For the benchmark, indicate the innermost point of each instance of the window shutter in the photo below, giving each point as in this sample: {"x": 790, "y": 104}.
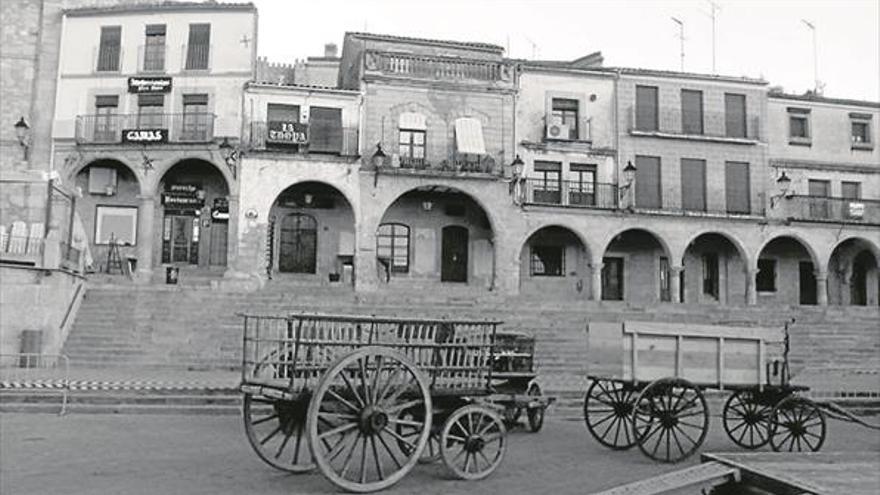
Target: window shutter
{"x": 198, "y": 47}
{"x": 108, "y": 52}
{"x": 646, "y": 108}
{"x": 648, "y": 182}
{"x": 282, "y": 113}
{"x": 691, "y": 111}
{"x": 107, "y": 101}
{"x": 693, "y": 184}
{"x": 147, "y": 100}
{"x": 195, "y": 99}
{"x": 548, "y": 166}
{"x": 735, "y": 115}
{"x": 325, "y": 129}
{"x": 736, "y": 184}
{"x": 155, "y": 30}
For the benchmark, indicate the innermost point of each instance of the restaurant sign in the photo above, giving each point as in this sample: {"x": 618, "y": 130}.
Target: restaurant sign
{"x": 183, "y": 196}
{"x": 145, "y": 136}
{"x": 282, "y": 132}
{"x": 149, "y": 85}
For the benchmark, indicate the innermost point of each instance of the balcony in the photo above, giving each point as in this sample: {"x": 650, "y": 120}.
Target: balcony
{"x": 342, "y": 141}
{"x": 670, "y": 124}
{"x": 437, "y": 67}
{"x": 571, "y": 194}
{"x": 835, "y": 210}
{"x": 169, "y": 127}
{"x": 456, "y": 165}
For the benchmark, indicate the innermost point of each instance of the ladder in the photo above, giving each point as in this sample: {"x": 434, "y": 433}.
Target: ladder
{"x": 114, "y": 261}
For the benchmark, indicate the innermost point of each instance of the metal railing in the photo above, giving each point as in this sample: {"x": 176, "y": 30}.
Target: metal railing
{"x": 671, "y": 120}
{"x": 151, "y": 58}
{"x": 182, "y": 127}
{"x": 436, "y": 67}
{"x": 21, "y": 246}
{"x": 26, "y": 372}
{"x": 845, "y": 210}
{"x": 571, "y": 193}
{"x": 456, "y": 163}
{"x": 341, "y": 141}
{"x": 197, "y": 56}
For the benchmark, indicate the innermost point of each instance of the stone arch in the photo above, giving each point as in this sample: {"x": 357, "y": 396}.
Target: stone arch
{"x": 468, "y": 190}
{"x": 270, "y": 195}
{"x": 785, "y": 277}
{"x": 169, "y": 165}
{"x": 74, "y": 171}
{"x": 817, "y": 260}
{"x": 555, "y": 259}
{"x": 853, "y": 277}
{"x": 740, "y": 248}
{"x": 637, "y": 272}
{"x": 712, "y": 273}
{"x": 659, "y": 238}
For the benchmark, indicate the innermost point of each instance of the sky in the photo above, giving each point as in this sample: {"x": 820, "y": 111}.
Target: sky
{"x": 755, "y": 38}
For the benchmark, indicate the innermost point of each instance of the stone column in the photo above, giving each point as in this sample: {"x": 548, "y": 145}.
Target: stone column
{"x": 596, "y": 281}
{"x": 821, "y": 288}
{"x": 751, "y": 287}
{"x": 366, "y": 275}
{"x": 146, "y": 214}
{"x": 232, "y": 239}
{"x": 675, "y": 283}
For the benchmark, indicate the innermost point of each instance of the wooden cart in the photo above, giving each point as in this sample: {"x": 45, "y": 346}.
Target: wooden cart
{"x": 648, "y": 381}
{"x": 515, "y": 381}
{"x": 365, "y": 398}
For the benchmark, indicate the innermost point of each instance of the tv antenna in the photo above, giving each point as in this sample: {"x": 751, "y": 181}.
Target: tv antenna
{"x": 534, "y": 47}
{"x": 680, "y": 38}
{"x": 815, "y": 56}
{"x": 714, "y": 9}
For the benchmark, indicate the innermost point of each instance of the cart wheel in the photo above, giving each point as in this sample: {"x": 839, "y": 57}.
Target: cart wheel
{"x": 536, "y": 414}
{"x": 746, "y": 420}
{"x": 354, "y": 415}
{"x": 798, "y": 425}
{"x": 431, "y": 452}
{"x": 608, "y": 408}
{"x": 473, "y": 442}
{"x": 276, "y": 431}
{"x": 670, "y": 419}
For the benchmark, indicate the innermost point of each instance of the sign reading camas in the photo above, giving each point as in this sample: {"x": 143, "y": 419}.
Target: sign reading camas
{"x": 149, "y": 85}
{"x": 145, "y": 136}
{"x": 281, "y": 132}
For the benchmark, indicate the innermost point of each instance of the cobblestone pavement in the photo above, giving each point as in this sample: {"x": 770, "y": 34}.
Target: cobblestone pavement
{"x": 176, "y": 454}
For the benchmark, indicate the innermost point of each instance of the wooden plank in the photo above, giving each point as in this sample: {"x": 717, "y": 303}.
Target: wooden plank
{"x": 705, "y": 475}
{"x": 690, "y": 329}
{"x": 721, "y": 363}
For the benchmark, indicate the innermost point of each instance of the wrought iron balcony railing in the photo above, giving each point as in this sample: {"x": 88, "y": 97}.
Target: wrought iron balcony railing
{"x": 342, "y": 141}
{"x": 116, "y": 128}
{"x": 843, "y": 210}
{"x": 455, "y": 164}
{"x": 436, "y": 67}
{"x": 570, "y": 193}
{"x": 708, "y": 125}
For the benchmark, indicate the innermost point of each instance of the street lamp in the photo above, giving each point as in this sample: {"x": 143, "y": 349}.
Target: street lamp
{"x": 629, "y": 177}
{"x": 518, "y": 165}
{"x": 378, "y": 159}
{"x": 782, "y": 184}
{"x": 22, "y": 132}
{"x": 230, "y": 155}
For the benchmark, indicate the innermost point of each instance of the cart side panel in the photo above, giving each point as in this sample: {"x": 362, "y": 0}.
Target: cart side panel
{"x": 605, "y": 350}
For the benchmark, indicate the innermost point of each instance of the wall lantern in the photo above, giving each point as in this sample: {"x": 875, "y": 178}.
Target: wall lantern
{"x": 378, "y": 159}
{"x": 518, "y": 166}
{"x": 783, "y": 183}
{"x": 22, "y": 133}
{"x": 230, "y": 155}
{"x": 427, "y": 205}
{"x": 629, "y": 177}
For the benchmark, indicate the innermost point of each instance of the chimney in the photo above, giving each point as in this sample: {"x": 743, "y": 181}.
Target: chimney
{"x": 330, "y": 50}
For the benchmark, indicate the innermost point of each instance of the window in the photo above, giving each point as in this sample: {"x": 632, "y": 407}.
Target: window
{"x": 765, "y": 280}
{"x": 198, "y": 49}
{"x": 612, "y": 279}
{"x": 691, "y": 111}
{"x": 860, "y": 132}
{"x": 648, "y": 193}
{"x": 565, "y": 112}
{"x": 799, "y": 125}
{"x": 392, "y": 244}
{"x": 154, "y": 48}
{"x": 547, "y": 182}
{"x": 325, "y": 130}
{"x": 710, "y": 275}
{"x": 105, "y": 118}
{"x": 412, "y": 148}
{"x": 736, "y": 187}
{"x": 735, "y": 115}
{"x": 693, "y": 184}
{"x": 851, "y": 190}
{"x": 819, "y": 191}
{"x": 109, "y": 49}
{"x": 547, "y": 261}
{"x": 665, "y": 288}
{"x": 102, "y": 180}
{"x": 195, "y": 118}
{"x": 280, "y": 121}
{"x": 118, "y": 222}
{"x": 860, "y": 126}
{"x": 582, "y": 188}
{"x": 646, "y": 108}
{"x": 151, "y": 110}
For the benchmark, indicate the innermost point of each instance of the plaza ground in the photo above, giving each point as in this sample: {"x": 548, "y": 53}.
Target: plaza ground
{"x": 204, "y": 454}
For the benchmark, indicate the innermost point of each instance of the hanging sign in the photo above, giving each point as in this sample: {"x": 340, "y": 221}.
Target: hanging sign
{"x": 145, "y": 136}
{"x": 142, "y": 85}
{"x": 220, "y": 211}
{"x": 183, "y": 196}
{"x": 282, "y": 132}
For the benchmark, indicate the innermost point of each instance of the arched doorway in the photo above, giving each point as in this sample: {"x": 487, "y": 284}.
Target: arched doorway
{"x": 109, "y": 208}
{"x": 852, "y": 274}
{"x": 786, "y": 273}
{"x": 311, "y": 234}
{"x": 715, "y": 271}
{"x": 636, "y": 268}
{"x": 194, "y": 215}
{"x": 435, "y": 234}
{"x": 554, "y": 261}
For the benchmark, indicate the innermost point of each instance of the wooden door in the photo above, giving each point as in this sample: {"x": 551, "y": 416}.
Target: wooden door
{"x": 807, "y": 283}
{"x": 219, "y": 234}
{"x": 612, "y": 279}
{"x": 298, "y": 244}
{"x": 182, "y": 248}
{"x": 454, "y": 256}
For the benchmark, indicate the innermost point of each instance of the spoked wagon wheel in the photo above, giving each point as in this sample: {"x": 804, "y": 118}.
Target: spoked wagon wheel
{"x": 473, "y": 442}
{"x": 408, "y": 434}
{"x": 797, "y": 425}
{"x": 354, "y": 416}
{"x": 670, "y": 419}
{"x": 276, "y": 431}
{"x": 535, "y": 414}
{"x": 747, "y": 420}
{"x": 608, "y": 408}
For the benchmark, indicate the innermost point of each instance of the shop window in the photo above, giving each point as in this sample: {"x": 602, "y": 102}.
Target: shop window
{"x": 154, "y": 48}
{"x": 765, "y": 280}
{"x": 109, "y": 49}
{"x": 565, "y": 112}
{"x": 547, "y": 261}
{"x": 198, "y": 49}
{"x": 392, "y": 246}
{"x": 118, "y": 222}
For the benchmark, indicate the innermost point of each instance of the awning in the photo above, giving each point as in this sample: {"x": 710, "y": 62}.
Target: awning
{"x": 469, "y": 136}
{"x": 412, "y": 121}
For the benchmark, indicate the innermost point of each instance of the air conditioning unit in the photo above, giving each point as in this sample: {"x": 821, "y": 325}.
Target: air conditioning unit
{"x": 557, "y": 131}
